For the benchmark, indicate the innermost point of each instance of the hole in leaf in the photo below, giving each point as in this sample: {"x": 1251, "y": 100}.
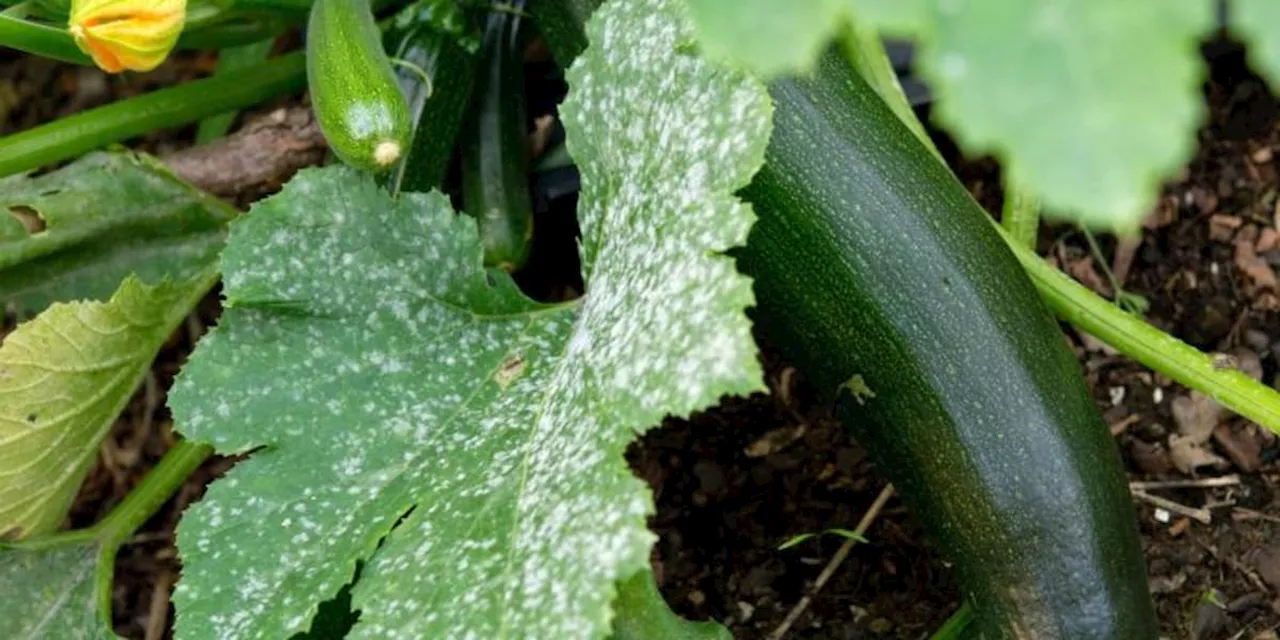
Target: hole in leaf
{"x": 335, "y": 617}
{"x": 29, "y": 218}
{"x": 31, "y": 417}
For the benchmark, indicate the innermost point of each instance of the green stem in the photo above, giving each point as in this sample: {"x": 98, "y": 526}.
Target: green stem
{"x": 71, "y": 136}
{"x": 39, "y": 39}
{"x": 1130, "y": 302}
{"x": 1148, "y": 345}
{"x": 1126, "y": 333}
{"x": 155, "y": 489}
{"x": 142, "y": 502}
{"x": 230, "y": 60}
{"x": 1021, "y": 215}
{"x": 955, "y": 626}
{"x": 864, "y": 51}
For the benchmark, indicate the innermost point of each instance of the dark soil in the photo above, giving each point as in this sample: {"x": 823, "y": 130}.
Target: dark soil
{"x": 736, "y": 481}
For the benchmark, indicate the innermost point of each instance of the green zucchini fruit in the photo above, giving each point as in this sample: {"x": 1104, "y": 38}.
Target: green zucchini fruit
{"x": 495, "y": 155}
{"x": 358, "y": 104}
{"x": 878, "y": 275}
{"x": 438, "y": 104}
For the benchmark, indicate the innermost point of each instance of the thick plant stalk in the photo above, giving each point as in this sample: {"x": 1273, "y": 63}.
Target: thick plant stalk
{"x": 88, "y": 130}
{"x": 1152, "y": 347}
{"x": 230, "y": 60}
{"x": 40, "y": 40}
{"x": 1021, "y": 215}
{"x": 865, "y": 52}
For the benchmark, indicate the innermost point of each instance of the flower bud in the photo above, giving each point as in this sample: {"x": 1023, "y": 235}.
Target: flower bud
{"x": 127, "y": 34}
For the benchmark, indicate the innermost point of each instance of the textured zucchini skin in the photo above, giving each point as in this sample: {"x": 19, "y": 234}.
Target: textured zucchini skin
{"x": 358, "y": 104}
{"x": 877, "y": 274}
{"x": 562, "y": 25}
{"x": 436, "y": 111}
{"x": 495, "y": 157}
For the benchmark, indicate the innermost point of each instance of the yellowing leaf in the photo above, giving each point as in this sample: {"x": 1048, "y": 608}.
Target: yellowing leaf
{"x": 64, "y": 377}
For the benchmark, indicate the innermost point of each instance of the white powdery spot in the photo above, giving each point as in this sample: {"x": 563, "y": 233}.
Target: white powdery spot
{"x": 372, "y": 360}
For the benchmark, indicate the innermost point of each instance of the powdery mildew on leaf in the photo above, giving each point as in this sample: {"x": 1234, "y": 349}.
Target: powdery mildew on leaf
{"x": 64, "y": 378}
{"x": 51, "y": 594}
{"x": 363, "y": 348}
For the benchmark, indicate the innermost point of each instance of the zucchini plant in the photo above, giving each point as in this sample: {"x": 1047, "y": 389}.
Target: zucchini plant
{"x": 438, "y": 455}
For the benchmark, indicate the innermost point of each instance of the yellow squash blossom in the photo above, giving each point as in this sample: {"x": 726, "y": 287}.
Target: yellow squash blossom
{"x": 127, "y": 34}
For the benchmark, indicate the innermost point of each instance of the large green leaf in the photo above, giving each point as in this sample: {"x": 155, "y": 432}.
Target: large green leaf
{"x": 387, "y": 376}
{"x": 1092, "y": 103}
{"x": 782, "y": 40}
{"x": 105, "y": 216}
{"x": 642, "y": 614}
{"x": 57, "y": 593}
{"x": 1257, "y": 22}
{"x": 64, "y": 377}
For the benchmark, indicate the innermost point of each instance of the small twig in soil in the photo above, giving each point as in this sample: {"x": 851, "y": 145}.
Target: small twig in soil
{"x": 1120, "y": 426}
{"x": 836, "y": 560}
{"x": 1199, "y": 515}
{"x": 1234, "y": 564}
{"x": 1241, "y": 513}
{"x": 158, "y": 615}
{"x": 1199, "y": 483}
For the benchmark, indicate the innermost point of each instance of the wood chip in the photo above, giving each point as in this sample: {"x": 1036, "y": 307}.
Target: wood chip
{"x": 1222, "y": 227}
{"x": 1240, "y": 446}
{"x": 1196, "y": 415}
{"x": 1188, "y": 456}
{"x": 774, "y": 441}
{"x": 1268, "y": 239}
{"x": 1122, "y": 262}
{"x": 1257, "y": 271}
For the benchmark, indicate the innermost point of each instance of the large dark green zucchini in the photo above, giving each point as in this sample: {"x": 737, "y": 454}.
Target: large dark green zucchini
{"x": 495, "y": 157}
{"x": 437, "y": 105}
{"x": 879, "y": 276}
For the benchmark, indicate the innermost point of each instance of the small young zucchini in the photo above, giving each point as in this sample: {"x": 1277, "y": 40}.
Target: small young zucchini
{"x": 495, "y": 157}
{"x": 354, "y": 93}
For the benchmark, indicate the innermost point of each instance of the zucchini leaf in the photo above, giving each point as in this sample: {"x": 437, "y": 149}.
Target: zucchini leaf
{"x": 642, "y": 614}
{"x": 78, "y": 232}
{"x": 64, "y": 378}
{"x": 421, "y": 418}
{"x": 1092, "y": 103}
{"x": 1255, "y": 21}
{"x": 61, "y": 592}
{"x": 783, "y": 39}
